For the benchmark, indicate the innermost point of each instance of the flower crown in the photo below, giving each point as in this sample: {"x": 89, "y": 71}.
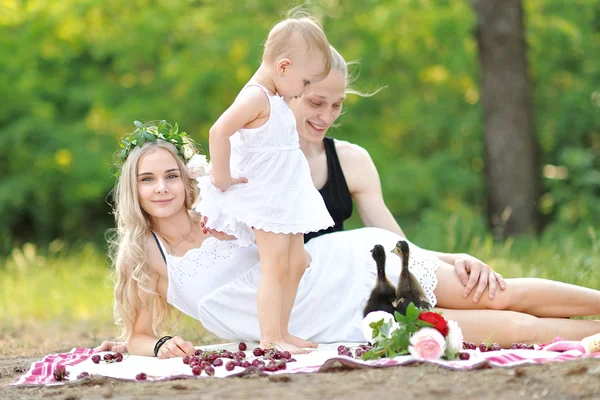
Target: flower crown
{"x": 196, "y": 164}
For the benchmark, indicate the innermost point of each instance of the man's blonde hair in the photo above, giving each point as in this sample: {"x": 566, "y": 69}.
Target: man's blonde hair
{"x": 298, "y": 31}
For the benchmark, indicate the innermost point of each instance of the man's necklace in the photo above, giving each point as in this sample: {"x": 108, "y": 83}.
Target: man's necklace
{"x": 172, "y": 248}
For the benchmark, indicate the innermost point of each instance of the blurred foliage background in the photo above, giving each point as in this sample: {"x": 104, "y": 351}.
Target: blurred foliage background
{"x": 74, "y": 74}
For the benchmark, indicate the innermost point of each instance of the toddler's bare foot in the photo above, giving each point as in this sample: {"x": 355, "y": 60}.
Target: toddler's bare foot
{"x": 296, "y": 341}
{"x": 282, "y": 345}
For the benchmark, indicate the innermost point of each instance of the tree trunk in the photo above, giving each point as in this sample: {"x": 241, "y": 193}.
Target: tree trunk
{"x": 512, "y": 169}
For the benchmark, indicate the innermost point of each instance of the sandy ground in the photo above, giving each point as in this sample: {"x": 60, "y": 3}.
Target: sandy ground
{"x": 567, "y": 380}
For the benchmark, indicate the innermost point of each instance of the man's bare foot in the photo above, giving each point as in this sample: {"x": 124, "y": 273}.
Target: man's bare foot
{"x": 282, "y": 345}
{"x": 296, "y": 341}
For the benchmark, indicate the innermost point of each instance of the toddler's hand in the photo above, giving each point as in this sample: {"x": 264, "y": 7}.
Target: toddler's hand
{"x": 225, "y": 184}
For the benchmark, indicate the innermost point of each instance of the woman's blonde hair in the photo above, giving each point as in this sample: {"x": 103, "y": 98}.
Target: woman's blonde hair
{"x": 339, "y": 64}
{"x": 299, "y": 28}
{"x": 127, "y": 242}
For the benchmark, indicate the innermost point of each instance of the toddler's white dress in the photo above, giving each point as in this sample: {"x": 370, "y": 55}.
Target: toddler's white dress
{"x": 280, "y": 196}
{"x": 218, "y": 282}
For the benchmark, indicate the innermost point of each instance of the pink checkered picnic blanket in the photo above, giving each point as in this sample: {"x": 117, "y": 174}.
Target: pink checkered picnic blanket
{"x": 323, "y": 359}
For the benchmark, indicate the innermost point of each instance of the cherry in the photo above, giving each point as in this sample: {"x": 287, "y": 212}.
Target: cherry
{"x": 464, "y": 356}
{"x": 286, "y": 355}
{"x": 256, "y": 362}
{"x": 483, "y": 347}
{"x": 198, "y": 352}
{"x": 96, "y": 359}
{"x": 196, "y": 370}
{"x": 211, "y": 357}
{"x": 141, "y": 376}
{"x": 218, "y": 362}
{"x": 469, "y": 346}
{"x": 242, "y": 346}
{"x": 60, "y": 373}
{"x": 258, "y": 352}
{"x": 530, "y": 347}
{"x": 495, "y": 347}
{"x": 282, "y": 365}
{"x": 246, "y": 364}
{"x": 186, "y": 359}
{"x": 272, "y": 367}
{"x": 515, "y": 346}
{"x": 83, "y": 375}
{"x": 240, "y": 354}
{"x": 108, "y": 357}
{"x": 360, "y": 352}
{"x": 118, "y": 357}
{"x": 230, "y": 366}
{"x": 210, "y": 371}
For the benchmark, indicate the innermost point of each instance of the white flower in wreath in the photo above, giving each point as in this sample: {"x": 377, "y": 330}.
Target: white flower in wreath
{"x": 455, "y": 337}
{"x": 188, "y": 153}
{"x": 197, "y": 166}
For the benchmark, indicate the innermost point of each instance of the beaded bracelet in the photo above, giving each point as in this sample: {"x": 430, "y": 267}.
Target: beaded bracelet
{"x": 160, "y": 342}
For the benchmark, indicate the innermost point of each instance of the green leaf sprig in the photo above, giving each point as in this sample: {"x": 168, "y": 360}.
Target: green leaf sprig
{"x": 395, "y": 343}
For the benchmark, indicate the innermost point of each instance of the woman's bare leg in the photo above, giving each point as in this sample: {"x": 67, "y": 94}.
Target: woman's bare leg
{"x": 273, "y": 250}
{"x": 539, "y": 297}
{"x": 298, "y": 262}
{"x": 513, "y": 327}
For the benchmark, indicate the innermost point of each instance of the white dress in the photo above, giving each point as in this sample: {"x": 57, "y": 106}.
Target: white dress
{"x": 218, "y": 282}
{"x": 280, "y": 196}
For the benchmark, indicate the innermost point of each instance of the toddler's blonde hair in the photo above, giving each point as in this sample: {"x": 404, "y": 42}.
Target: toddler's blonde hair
{"x": 298, "y": 31}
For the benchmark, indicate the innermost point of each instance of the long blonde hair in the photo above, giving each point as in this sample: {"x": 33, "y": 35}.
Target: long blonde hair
{"x": 127, "y": 243}
{"x": 340, "y": 65}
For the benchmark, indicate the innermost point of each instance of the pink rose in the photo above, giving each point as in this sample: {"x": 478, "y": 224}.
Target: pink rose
{"x": 427, "y": 344}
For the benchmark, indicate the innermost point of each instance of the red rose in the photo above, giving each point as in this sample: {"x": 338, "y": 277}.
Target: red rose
{"x": 436, "y": 320}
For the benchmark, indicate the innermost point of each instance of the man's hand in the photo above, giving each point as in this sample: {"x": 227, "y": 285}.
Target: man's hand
{"x": 473, "y": 272}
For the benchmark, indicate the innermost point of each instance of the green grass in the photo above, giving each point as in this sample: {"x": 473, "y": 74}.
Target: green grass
{"x": 68, "y": 285}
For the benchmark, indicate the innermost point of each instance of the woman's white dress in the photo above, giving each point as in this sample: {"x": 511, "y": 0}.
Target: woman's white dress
{"x": 217, "y": 285}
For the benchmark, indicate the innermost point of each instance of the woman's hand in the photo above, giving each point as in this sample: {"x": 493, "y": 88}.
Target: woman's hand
{"x": 114, "y": 346}
{"x": 176, "y": 347}
{"x": 216, "y": 234}
{"x": 473, "y": 272}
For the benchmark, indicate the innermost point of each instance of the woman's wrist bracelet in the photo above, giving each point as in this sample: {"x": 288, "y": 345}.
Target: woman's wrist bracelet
{"x": 160, "y": 342}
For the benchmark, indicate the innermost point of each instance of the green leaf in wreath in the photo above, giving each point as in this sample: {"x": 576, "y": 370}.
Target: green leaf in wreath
{"x": 149, "y": 136}
{"x": 138, "y": 124}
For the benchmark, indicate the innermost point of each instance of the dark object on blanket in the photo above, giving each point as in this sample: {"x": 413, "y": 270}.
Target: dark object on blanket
{"x": 384, "y": 292}
{"x": 409, "y": 290}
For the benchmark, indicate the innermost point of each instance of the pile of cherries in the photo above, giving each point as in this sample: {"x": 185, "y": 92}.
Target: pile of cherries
{"x": 205, "y": 361}
{"x": 358, "y": 353}
{"x": 108, "y": 358}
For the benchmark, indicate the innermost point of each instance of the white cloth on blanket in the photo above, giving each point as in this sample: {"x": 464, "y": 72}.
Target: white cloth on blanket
{"x": 156, "y": 369}
{"x": 217, "y": 284}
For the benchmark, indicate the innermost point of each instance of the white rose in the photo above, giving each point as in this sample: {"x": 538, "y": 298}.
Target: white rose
{"x": 455, "y": 337}
{"x": 197, "y": 166}
{"x": 376, "y": 316}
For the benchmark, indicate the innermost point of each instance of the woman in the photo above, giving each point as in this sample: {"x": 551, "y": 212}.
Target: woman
{"x": 344, "y": 172}
{"x": 164, "y": 256}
